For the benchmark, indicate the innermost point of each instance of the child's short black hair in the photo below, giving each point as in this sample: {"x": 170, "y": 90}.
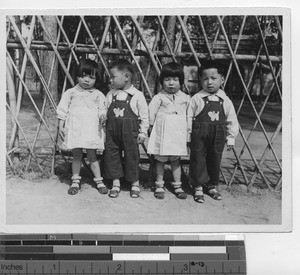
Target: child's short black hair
{"x": 122, "y": 65}
{"x": 172, "y": 69}
{"x": 88, "y": 66}
{"x": 211, "y": 64}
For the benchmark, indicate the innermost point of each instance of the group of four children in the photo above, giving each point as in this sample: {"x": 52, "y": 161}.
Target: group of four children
{"x": 121, "y": 121}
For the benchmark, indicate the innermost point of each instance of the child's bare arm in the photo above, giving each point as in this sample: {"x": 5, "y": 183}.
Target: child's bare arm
{"x": 102, "y": 109}
{"x": 142, "y": 108}
{"x": 62, "y": 112}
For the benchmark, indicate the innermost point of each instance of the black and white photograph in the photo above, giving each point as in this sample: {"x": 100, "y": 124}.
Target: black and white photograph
{"x": 172, "y": 118}
{"x": 151, "y": 120}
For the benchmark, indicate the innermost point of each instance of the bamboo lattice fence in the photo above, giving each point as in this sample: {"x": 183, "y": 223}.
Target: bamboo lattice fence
{"x": 120, "y": 36}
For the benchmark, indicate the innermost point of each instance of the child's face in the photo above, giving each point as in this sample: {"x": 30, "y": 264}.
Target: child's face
{"x": 87, "y": 81}
{"x": 118, "y": 79}
{"x": 211, "y": 80}
{"x": 171, "y": 84}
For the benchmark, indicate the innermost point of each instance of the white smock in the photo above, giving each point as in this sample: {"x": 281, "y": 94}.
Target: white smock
{"x": 81, "y": 110}
{"x": 169, "y": 134}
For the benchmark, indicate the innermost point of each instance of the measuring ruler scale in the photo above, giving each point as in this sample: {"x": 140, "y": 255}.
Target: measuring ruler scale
{"x": 122, "y": 254}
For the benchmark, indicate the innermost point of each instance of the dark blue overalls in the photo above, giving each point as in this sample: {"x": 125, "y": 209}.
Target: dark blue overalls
{"x": 122, "y": 128}
{"x": 208, "y": 139}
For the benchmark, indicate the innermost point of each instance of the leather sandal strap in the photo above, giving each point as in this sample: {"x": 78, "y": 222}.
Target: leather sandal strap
{"x": 178, "y": 190}
{"x": 100, "y": 184}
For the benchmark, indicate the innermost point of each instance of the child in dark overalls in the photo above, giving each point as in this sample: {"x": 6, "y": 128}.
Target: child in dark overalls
{"x": 212, "y": 122}
{"x": 126, "y": 126}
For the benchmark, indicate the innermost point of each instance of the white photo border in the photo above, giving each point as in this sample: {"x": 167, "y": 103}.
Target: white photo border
{"x": 285, "y": 226}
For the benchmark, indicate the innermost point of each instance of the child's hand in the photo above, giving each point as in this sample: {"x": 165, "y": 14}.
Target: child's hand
{"x": 229, "y": 147}
{"x": 141, "y": 139}
{"x": 102, "y": 120}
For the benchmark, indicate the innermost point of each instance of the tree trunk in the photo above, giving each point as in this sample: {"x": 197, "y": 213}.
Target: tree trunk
{"x": 170, "y": 31}
{"x": 50, "y": 70}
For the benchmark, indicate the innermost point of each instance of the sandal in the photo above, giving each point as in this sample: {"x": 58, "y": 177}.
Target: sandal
{"x": 159, "y": 193}
{"x": 75, "y": 186}
{"x": 214, "y": 194}
{"x": 102, "y": 189}
{"x": 114, "y": 192}
{"x": 135, "y": 192}
{"x": 73, "y": 190}
{"x": 180, "y": 194}
{"x": 199, "y": 197}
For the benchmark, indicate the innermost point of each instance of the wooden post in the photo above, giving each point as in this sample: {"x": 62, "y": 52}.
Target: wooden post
{"x": 51, "y": 80}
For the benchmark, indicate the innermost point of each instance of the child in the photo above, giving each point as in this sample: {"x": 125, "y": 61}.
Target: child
{"x": 212, "y": 121}
{"x": 127, "y": 125}
{"x": 81, "y": 112}
{"x": 167, "y": 117}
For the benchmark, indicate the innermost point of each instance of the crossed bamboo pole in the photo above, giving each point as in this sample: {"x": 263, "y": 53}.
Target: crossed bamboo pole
{"x": 20, "y": 89}
{"x": 82, "y": 48}
{"x": 253, "y": 107}
{"x": 133, "y": 56}
{"x": 256, "y": 122}
{"x": 154, "y": 56}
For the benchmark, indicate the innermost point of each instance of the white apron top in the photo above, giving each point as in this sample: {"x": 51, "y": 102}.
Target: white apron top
{"x": 168, "y": 136}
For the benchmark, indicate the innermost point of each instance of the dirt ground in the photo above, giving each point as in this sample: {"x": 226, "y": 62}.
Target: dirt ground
{"x": 46, "y": 201}
{"x": 31, "y": 199}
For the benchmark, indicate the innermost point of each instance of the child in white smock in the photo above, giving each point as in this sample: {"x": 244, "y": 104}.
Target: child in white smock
{"x": 168, "y": 128}
{"x": 81, "y": 113}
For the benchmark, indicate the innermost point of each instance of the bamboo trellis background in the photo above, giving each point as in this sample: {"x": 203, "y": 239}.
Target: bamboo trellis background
{"x": 48, "y": 47}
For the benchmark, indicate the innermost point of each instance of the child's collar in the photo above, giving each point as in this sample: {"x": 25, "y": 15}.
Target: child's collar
{"x": 131, "y": 90}
{"x": 80, "y": 89}
{"x": 220, "y": 93}
{"x": 164, "y": 92}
